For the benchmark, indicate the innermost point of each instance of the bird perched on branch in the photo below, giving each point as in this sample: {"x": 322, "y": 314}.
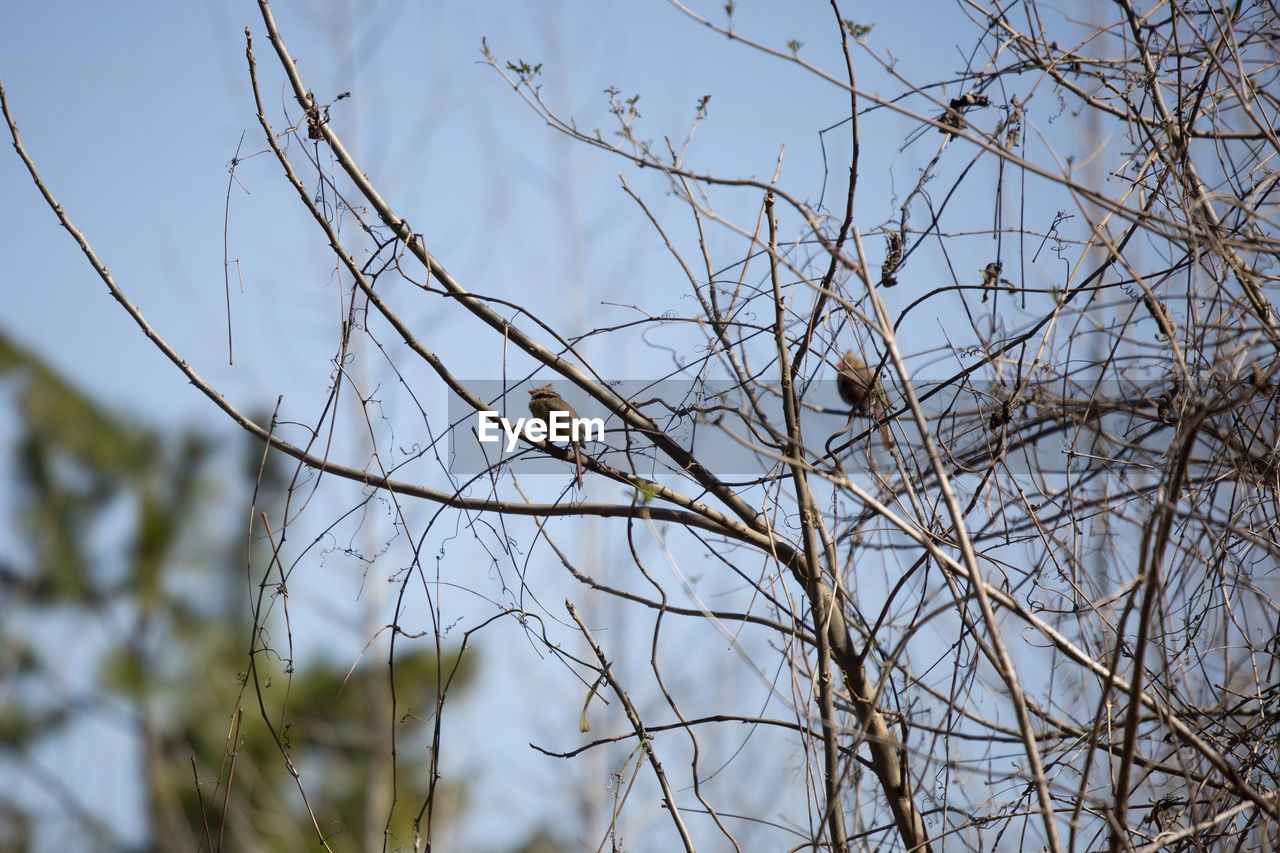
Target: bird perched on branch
{"x": 858, "y": 387}
{"x": 542, "y": 402}
{"x": 861, "y": 390}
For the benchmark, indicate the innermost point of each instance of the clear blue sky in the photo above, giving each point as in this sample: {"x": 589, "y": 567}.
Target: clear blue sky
{"x": 133, "y": 114}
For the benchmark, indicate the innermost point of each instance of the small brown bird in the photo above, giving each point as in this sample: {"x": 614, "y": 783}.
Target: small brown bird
{"x": 542, "y": 402}
{"x": 861, "y": 390}
{"x": 857, "y": 386}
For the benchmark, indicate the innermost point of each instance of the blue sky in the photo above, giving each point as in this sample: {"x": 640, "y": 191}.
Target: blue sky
{"x": 134, "y": 117}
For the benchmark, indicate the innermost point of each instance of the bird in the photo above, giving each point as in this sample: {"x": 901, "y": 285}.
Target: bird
{"x": 543, "y": 400}
{"x": 858, "y": 387}
{"x": 861, "y": 389}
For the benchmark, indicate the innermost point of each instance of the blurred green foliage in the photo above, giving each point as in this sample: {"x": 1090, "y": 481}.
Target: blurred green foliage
{"x": 134, "y": 531}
